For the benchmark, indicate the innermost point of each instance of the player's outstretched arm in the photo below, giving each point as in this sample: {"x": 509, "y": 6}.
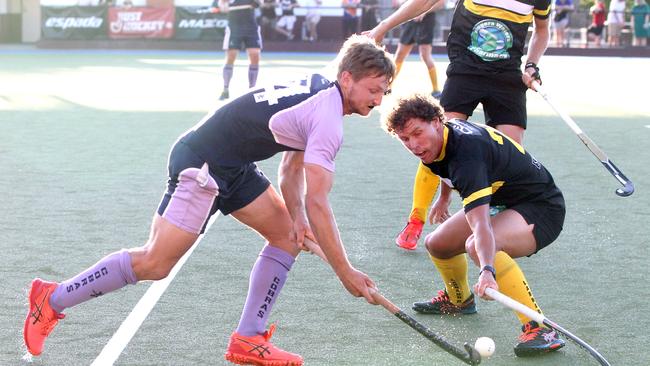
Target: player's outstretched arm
{"x": 408, "y": 11}
{"x": 321, "y": 218}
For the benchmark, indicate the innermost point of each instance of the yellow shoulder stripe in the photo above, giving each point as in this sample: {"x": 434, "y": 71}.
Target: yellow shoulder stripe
{"x": 496, "y": 13}
{"x": 483, "y": 192}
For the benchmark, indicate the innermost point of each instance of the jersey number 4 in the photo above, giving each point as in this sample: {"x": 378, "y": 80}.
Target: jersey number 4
{"x": 272, "y": 93}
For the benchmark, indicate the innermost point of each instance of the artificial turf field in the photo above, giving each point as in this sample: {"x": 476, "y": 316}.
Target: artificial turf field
{"x": 84, "y": 138}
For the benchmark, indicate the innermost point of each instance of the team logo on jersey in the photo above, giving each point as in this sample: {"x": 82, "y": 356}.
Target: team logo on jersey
{"x": 491, "y": 40}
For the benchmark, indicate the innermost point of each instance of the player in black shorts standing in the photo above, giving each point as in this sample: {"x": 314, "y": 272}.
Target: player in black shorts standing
{"x": 242, "y": 32}
{"x": 485, "y": 47}
{"x": 487, "y": 168}
{"x": 420, "y": 31}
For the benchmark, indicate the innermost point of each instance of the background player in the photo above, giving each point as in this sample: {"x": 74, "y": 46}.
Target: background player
{"x": 485, "y": 47}
{"x": 242, "y": 32}
{"x": 486, "y": 167}
{"x": 211, "y": 167}
{"x": 420, "y": 31}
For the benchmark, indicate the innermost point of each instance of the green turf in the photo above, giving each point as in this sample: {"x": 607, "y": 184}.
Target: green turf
{"x": 83, "y": 170}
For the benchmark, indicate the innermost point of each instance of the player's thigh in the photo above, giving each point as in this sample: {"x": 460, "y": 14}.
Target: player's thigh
{"x": 403, "y": 50}
{"x": 448, "y": 239}
{"x": 268, "y": 215}
{"x": 512, "y": 234}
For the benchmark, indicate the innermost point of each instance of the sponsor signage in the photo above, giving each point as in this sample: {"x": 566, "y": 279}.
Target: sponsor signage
{"x": 74, "y": 22}
{"x": 140, "y": 22}
{"x": 200, "y": 23}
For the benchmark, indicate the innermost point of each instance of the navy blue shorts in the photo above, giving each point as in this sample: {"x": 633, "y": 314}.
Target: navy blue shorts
{"x": 236, "y": 40}
{"x": 234, "y": 188}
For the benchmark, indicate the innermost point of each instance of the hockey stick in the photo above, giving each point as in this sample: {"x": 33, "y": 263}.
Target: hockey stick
{"x": 539, "y": 318}
{"x": 469, "y": 356}
{"x": 628, "y": 187}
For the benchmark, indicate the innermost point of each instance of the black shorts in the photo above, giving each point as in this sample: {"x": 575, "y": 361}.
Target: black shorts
{"x": 596, "y": 29}
{"x": 547, "y": 218}
{"x": 420, "y": 33}
{"x": 238, "y": 186}
{"x": 503, "y": 97}
{"x": 237, "y": 40}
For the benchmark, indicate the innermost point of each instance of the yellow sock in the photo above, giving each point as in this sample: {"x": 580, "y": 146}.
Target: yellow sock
{"x": 433, "y": 75}
{"x": 424, "y": 189}
{"x": 512, "y": 283}
{"x": 454, "y": 272}
{"x": 398, "y": 67}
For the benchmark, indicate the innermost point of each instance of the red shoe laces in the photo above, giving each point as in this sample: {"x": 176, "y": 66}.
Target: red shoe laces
{"x": 529, "y": 333}
{"x": 442, "y": 297}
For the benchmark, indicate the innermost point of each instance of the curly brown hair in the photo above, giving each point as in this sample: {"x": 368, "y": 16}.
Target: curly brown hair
{"x": 361, "y": 56}
{"x": 415, "y": 106}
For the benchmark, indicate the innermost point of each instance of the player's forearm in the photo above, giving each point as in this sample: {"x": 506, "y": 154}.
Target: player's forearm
{"x": 292, "y": 187}
{"x": 538, "y": 43}
{"x": 445, "y": 192}
{"x": 408, "y": 11}
{"x": 485, "y": 246}
{"x": 291, "y": 179}
{"x": 321, "y": 220}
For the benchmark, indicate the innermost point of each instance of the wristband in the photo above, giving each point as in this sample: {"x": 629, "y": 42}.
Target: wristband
{"x": 535, "y": 75}
{"x": 490, "y": 269}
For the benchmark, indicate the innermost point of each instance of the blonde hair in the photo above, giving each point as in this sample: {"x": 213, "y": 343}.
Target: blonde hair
{"x": 361, "y": 56}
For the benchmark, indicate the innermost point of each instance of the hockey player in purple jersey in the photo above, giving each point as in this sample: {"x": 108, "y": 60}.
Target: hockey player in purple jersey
{"x": 212, "y": 168}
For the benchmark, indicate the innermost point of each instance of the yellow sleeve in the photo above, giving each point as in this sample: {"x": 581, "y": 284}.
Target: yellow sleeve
{"x": 424, "y": 189}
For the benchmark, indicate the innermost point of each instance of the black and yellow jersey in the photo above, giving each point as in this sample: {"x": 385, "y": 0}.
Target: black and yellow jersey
{"x": 487, "y": 167}
{"x": 489, "y": 35}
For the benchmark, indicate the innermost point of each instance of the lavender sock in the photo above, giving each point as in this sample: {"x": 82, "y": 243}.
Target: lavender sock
{"x": 109, "y": 274}
{"x": 252, "y": 75}
{"x": 227, "y": 75}
{"x": 267, "y": 278}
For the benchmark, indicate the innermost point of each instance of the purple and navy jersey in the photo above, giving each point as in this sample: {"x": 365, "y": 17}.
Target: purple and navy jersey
{"x": 304, "y": 115}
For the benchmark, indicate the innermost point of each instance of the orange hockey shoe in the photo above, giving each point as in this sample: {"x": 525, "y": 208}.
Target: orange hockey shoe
{"x": 408, "y": 237}
{"x": 257, "y": 350}
{"x": 41, "y": 319}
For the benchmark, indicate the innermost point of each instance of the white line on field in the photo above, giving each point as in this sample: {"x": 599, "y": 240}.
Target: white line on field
{"x": 132, "y": 323}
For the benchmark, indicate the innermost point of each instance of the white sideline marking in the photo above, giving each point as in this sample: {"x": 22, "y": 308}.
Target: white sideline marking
{"x": 113, "y": 349}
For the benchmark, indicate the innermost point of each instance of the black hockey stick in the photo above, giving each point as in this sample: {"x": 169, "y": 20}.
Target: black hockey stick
{"x": 628, "y": 186}
{"x": 469, "y": 355}
{"x": 539, "y": 318}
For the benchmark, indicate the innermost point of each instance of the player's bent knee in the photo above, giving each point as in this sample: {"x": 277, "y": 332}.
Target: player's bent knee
{"x": 152, "y": 267}
{"x": 434, "y": 245}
